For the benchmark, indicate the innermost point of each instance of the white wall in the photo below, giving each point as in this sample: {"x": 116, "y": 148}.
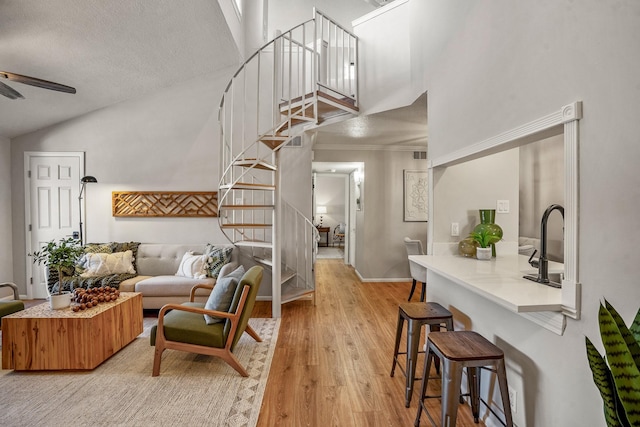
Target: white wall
{"x": 499, "y": 65}
{"x": 331, "y": 192}
{"x": 380, "y": 229}
{"x": 541, "y": 185}
{"x": 461, "y": 190}
{"x": 286, "y": 14}
{"x": 385, "y": 60}
{"x": 6, "y": 250}
{"x": 165, "y": 141}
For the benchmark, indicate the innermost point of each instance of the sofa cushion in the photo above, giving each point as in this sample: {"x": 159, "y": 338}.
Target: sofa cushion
{"x": 217, "y": 257}
{"x": 101, "y": 264}
{"x": 128, "y": 246}
{"x": 170, "y": 285}
{"x": 222, "y": 294}
{"x": 183, "y": 326}
{"x": 129, "y": 285}
{"x": 192, "y": 266}
{"x": 163, "y": 259}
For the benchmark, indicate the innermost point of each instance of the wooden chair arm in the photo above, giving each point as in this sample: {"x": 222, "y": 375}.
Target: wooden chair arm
{"x": 192, "y": 294}
{"x": 190, "y": 309}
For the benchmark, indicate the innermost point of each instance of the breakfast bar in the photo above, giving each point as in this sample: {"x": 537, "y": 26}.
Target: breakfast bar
{"x": 499, "y": 280}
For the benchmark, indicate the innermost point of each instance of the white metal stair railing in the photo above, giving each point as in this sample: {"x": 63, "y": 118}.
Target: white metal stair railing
{"x": 297, "y": 80}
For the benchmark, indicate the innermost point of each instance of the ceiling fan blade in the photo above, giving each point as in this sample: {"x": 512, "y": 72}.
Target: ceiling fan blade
{"x": 32, "y": 81}
{"x": 9, "y": 92}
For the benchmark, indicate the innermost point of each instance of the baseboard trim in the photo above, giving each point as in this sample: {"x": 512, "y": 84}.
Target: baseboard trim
{"x": 382, "y": 279}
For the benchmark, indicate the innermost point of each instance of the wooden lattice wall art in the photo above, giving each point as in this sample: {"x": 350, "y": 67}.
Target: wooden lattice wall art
{"x": 166, "y": 204}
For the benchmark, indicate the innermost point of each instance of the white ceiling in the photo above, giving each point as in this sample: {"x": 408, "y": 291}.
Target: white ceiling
{"x": 401, "y": 127}
{"x": 109, "y": 50}
{"x": 114, "y": 50}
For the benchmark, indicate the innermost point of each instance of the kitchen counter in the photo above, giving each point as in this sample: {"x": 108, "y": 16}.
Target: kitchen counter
{"x": 499, "y": 280}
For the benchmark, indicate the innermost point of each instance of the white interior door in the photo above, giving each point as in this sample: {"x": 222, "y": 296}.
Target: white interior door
{"x": 52, "y": 189}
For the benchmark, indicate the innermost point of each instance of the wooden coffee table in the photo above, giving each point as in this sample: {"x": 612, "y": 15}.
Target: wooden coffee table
{"x": 40, "y": 338}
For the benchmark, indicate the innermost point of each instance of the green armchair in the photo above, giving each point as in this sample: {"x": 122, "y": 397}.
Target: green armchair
{"x": 9, "y": 307}
{"x": 182, "y": 326}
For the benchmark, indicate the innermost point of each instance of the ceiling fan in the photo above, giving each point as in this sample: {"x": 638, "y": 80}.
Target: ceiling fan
{"x": 32, "y": 81}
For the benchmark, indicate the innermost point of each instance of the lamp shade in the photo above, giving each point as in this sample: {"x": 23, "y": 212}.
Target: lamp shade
{"x": 88, "y": 178}
{"x": 321, "y": 209}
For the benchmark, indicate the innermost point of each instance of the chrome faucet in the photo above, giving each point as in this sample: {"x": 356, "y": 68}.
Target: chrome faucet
{"x": 542, "y": 263}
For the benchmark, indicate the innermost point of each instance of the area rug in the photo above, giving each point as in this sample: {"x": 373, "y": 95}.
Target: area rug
{"x": 330, "y": 253}
{"x": 192, "y": 389}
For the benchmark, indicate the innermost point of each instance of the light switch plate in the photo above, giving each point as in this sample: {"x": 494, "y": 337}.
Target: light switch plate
{"x": 502, "y": 206}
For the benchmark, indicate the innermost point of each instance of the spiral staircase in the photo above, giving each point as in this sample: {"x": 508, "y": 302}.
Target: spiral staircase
{"x": 298, "y": 80}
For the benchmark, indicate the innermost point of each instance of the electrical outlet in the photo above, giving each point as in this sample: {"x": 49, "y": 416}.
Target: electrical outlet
{"x": 502, "y": 206}
{"x": 455, "y": 229}
{"x": 513, "y": 396}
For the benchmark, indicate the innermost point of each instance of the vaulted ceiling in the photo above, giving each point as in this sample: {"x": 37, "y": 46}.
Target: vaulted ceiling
{"x": 114, "y": 50}
{"x": 110, "y": 51}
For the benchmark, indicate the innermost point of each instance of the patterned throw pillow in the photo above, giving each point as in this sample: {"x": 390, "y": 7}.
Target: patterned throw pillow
{"x": 217, "y": 256}
{"x": 128, "y": 246}
{"x": 222, "y": 294}
{"x": 101, "y": 264}
{"x": 99, "y": 248}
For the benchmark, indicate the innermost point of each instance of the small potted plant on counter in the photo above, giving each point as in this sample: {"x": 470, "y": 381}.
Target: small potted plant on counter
{"x": 61, "y": 255}
{"x": 484, "y": 239}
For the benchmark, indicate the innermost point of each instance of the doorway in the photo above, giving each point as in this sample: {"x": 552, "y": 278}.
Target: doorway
{"x": 335, "y": 202}
{"x": 52, "y": 189}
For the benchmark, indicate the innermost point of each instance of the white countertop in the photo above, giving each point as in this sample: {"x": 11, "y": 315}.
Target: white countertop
{"x": 499, "y": 280}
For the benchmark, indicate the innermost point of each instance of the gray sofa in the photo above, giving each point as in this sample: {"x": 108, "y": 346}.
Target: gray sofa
{"x": 156, "y": 266}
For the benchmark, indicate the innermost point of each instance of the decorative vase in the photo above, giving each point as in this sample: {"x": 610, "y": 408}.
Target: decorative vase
{"x": 60, "y": 301}
{"x": 487, "y": 222}
{"x": 483, "y": 253}
{"x": 467, "y": 247}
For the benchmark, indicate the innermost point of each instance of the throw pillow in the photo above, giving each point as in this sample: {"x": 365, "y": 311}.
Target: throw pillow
{"x": 217, "y": 256}
{"x": 128, "y": 246}
{"x": 101, "y": 264}
{"x": 105, "y": 248}
{"x": 192, "y": 266}
{"x": 222, "y": 294}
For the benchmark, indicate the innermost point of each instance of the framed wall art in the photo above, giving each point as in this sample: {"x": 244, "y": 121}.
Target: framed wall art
{"x": 415, "y": 195}
{"x": 164, "y": 204}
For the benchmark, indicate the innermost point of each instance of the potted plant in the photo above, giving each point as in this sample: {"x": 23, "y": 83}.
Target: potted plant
{"x": 61, "y": 256}
{"x": 484, "y": 238}
{"x": 617, "y": 377}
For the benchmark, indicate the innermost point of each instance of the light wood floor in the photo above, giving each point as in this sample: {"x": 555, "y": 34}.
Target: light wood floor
{"x": 332, "y": 362}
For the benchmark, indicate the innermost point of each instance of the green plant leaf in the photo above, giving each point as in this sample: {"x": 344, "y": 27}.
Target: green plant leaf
{"x": 635, "y": 327}
{"x": 625, "y": 373}
{"x": 626, "y": 334}
{"x": 604, "y": 381}
{"x": 483, "y": 237}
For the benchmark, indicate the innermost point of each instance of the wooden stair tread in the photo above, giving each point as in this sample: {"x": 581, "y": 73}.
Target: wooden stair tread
{"x": 247, "y": 186}
{"x": 253, "y": 163}
{"x": 254, "y": 244}
{"x": 246, "y": 207}
{"x": 246, "y": 225}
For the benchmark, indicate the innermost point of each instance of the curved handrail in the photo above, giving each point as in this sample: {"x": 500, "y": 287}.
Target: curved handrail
{"x": 264, "y": 46}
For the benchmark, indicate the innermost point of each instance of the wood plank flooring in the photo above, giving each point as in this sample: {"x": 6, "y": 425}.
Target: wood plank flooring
{"x": 332, "y": 362}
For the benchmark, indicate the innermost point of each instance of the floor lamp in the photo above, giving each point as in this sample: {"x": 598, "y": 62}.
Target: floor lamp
{"x": 83, "y": 183}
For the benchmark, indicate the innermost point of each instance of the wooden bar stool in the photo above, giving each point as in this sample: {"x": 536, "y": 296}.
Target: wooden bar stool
{"x": 458, "y": 350}
{"x": 417, "y": 314}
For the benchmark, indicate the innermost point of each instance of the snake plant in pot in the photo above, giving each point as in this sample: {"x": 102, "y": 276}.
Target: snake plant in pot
{"x": 617, "y": 377}
{"x": 61, "y": 256}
